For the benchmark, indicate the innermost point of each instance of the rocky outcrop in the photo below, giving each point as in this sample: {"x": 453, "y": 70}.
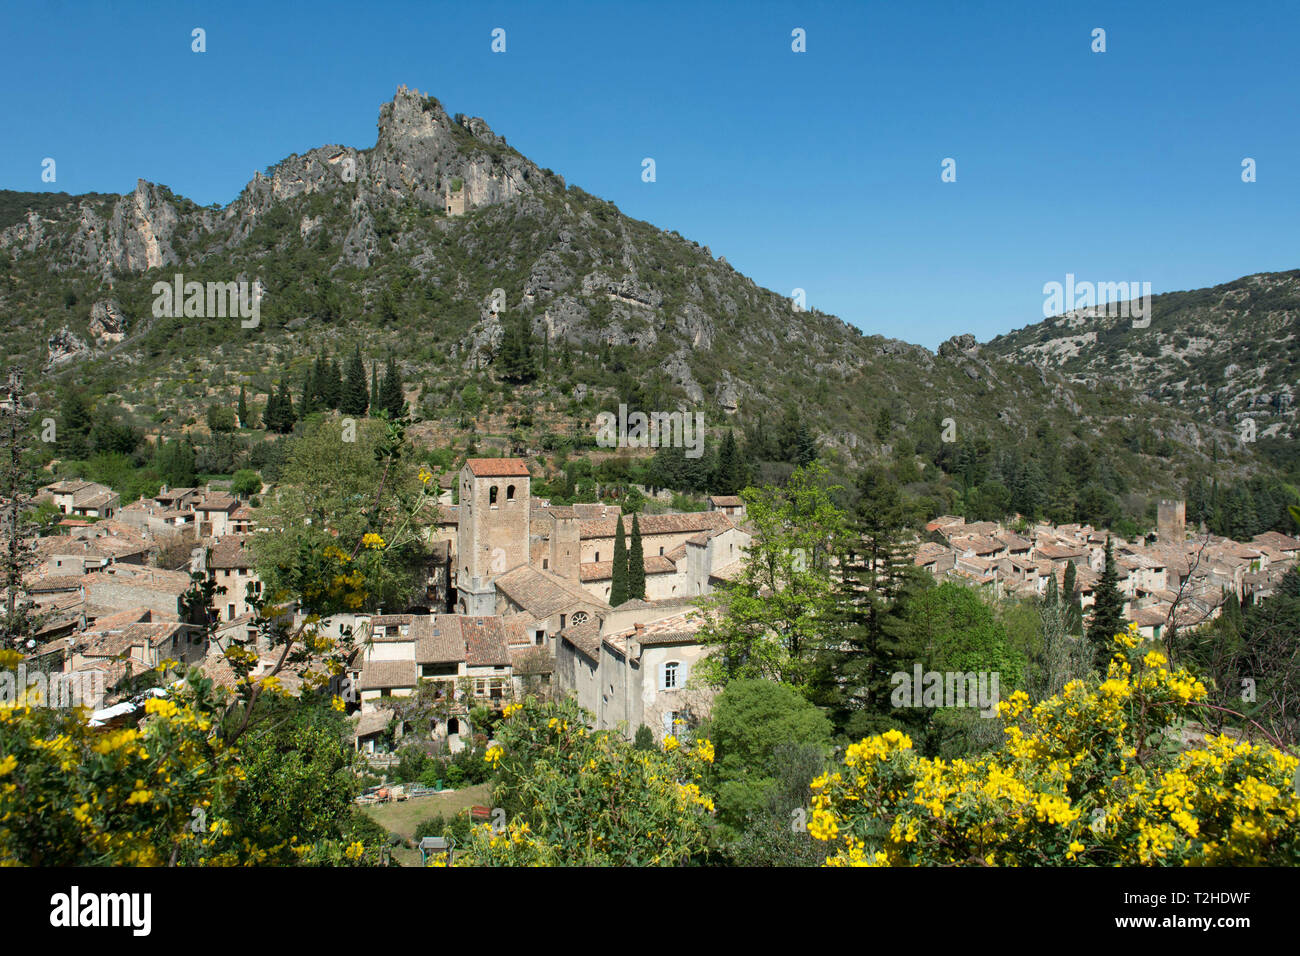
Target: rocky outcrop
{"x": 65, "y": 346}
{"x": 107, "y": 323}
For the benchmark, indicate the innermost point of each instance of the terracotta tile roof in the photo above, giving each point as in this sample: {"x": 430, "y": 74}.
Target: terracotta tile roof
{"x": 687, "y": 522}
{"x": 1275, "y": 539}
{"x": 604, "y": 570}
{"x": 497, "y": 467}
{"x": 541, "y": 593}
{"x": 218, "y": 501}
{"x": 371, "y": 722}
{"x": 382, "y": 675}
{"x": 438, "y": 639}
{"x": 485, "y": 641}
{"x": 726, "y": 501}
{"x": 231, "y": 552}
{"x": 584, "y": 637}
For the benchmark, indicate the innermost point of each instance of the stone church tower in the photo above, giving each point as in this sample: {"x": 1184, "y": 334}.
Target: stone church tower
{"x": 492, "y": 532}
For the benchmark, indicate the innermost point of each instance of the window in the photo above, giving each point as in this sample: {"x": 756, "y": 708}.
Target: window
{"x": 597, "y": 555}
{"x": 492, "y": 496}
{"x": 540, "y": 637}
{"x": 546, "y": 563}
{"x": 671, "y": 675}
{"x": 230, "y": 611}
{"x": 510, "y": 492}
{"x": 661, "y": 552}
{"x": 579, "y": 617}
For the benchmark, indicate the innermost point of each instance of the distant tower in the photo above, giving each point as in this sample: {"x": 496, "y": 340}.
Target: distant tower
{"x": 1171, "y": 521}
{"x": 454, "y": 202}
{"x": 492, "y": 530}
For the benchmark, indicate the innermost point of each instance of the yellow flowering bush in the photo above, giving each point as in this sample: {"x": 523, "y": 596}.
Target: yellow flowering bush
{"x": 76, "y": 795}
{"x": 1093, "y": 776}
{"x": 574, "y": 797}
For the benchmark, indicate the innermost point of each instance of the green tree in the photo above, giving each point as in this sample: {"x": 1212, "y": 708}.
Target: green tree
{"x": 1107, "y": 611}
{"x": 635, "y": 564}
{"x": 875, "y": 568}
{"x": 771, "y": 621}
{"x": 729, "y": 474}
{"x": 19, "y": 620}
{"x": 516, "y": 360}
{"x": 280, "y": 415}
{"x": 242, "y": 409}
{"x": 749, "y": 720}
{"x": 391, "y": 398}
{"x": 75, "y": 422}
{"x": 174, "y": 462}
{"x": 221, "y": 418}
{"x": 246, "y": 482}
{"x": 1073, "y": 600}
{"x": 618, "y": 585}
{"x": 355, "y": 400}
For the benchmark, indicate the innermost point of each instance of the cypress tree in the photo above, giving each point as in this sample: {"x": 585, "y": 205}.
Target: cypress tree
{"x": 374, "y": 388}
{"x": 1074, "y": 607}
{"x": 636, "y": 564}
{"x": 279, "y": 410}
{"x": 1108, "y": 610}
{"x": 242, "y": 410}
{"x": 355, "y": 399}
{"x": 618, "y": 584}
{"x": 728, "y": 478}
{"x": 391, "y": 399}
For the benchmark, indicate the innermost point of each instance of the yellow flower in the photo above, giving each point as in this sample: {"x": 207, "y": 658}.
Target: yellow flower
{"x": 671, "y": 743}
{"x": 511, "y": 710}
{"x": 8, "y": 764}
{"x": 354, "y": 850}
{"x": 704, "y": 751}
{"x": 338, "y": 703}
{"x": 372, "y": 540}
{"x": 425, "y": 475}
{"x": 493, "y": 755}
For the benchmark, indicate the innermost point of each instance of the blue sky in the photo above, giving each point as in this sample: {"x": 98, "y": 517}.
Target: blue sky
{"x": 816, "y": 170}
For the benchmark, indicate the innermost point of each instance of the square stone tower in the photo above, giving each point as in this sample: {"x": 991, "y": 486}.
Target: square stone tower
{"x": 492, "y": 532}
{"x": 454, "y": 202}
{"x": 1171, "y": 521}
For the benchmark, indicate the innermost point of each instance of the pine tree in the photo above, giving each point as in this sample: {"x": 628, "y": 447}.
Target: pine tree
{"x": 242, "y": 410}
{"x": 635, "y": 564}
{"x": 74, "y": 425}
{"x": 391, "y": 398}
{"x": 516, "y": 360}
{"x": 333, "y": 389}
{"x": 307, "y": 403}
{"x": 618, "y": 583}
{"x": 1107, "y": 611}
{"x": 805, "y": 449}
{"x": 355, "y": 399}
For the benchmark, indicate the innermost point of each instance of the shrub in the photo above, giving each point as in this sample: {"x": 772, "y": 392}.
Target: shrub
{"x": 1092, "y": 776}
